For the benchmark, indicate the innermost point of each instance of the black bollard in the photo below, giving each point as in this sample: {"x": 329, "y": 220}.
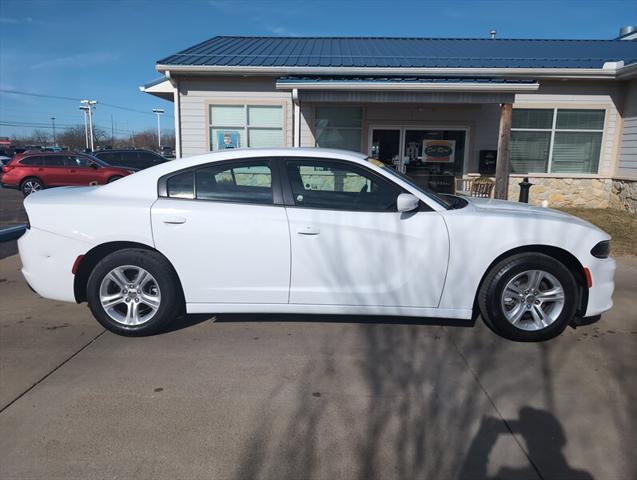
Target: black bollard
{"x": 525, "y": 185}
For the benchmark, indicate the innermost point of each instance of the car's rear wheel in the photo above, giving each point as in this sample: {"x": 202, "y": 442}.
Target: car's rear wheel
{"x": 528, "y": 297}
{"x": 31, "y": 185}
{"x": 134, "y": 292}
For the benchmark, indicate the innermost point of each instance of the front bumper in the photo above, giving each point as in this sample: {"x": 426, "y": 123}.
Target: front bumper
{"x": 600, "y": 294}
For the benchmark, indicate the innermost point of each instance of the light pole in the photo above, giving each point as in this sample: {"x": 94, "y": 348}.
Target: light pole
{"x": 84, "y": 108}
{"x": 159, "y": 112}
{"x": 90, "y": 104}
{"x": 55, "y": 142}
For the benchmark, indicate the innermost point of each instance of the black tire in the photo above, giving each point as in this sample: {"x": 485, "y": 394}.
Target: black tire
{"x": 112, "y": 179}
{"x": 170, "y": 306}
{"x": 30, "y": 185}
{"x": 491, "y": 291}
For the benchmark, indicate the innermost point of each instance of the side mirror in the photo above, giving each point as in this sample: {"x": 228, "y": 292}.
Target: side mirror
{"x": 406, "y": 202}
{"x": 94, "y": 166}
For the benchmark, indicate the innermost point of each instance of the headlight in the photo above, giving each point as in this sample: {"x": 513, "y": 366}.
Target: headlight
{"x": 601, "y": 250}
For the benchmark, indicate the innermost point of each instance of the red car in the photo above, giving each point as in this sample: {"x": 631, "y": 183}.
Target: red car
{"x": 34, "y": 171}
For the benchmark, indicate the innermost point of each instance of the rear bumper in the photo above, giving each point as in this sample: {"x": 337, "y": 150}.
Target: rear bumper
{"x": 600, "y": 295}
{"x": 47, "y": 260}
{"x": 7, "y": 185}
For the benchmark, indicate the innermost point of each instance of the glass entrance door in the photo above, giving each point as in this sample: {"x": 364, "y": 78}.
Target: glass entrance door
{"x": 386, "y": 146}
{"x": 434, "y": 158}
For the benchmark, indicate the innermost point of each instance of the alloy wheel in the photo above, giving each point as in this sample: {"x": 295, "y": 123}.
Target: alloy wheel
{"x": 130, "y": 295}
{"x": 533, "y": 300}
{"x": 31, "y": 186}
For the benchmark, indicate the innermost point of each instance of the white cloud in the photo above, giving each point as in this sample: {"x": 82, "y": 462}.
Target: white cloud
{"x": 76, "y": 60}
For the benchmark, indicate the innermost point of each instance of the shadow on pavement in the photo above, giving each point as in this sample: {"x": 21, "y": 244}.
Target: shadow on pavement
{"x": 358, "y": 319}
{"x": 543, "y": 436}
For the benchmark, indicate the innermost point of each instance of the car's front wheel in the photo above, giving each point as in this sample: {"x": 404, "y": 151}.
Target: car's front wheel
{"x": 528, "y": 297}
{"x": 134, "y": 292}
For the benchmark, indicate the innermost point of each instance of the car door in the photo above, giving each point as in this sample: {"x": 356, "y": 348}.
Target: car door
{"x": 350, "y": 246}
{"x": 55, "y": 171}
{"x": 80, "y": 171}
{"x": 224, "y": 229}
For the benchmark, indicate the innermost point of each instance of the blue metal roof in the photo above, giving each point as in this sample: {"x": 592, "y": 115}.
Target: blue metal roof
{"x": 387, "y": 52}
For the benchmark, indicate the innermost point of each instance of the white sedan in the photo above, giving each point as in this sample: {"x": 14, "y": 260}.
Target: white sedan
{"x": 309, "y": 231}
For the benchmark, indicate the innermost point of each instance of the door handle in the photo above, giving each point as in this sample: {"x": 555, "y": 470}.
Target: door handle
{"x": 174, "y": 220}
{"x": 309, "y": 230}
{"x": 72, "y": 170}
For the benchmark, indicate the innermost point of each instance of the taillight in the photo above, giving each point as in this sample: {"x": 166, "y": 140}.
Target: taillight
{"x": 7, "y": 168}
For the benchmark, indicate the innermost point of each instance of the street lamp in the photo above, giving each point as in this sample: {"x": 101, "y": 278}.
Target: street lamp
{"x": 159, "y": 112}
{"x": 89, "y": 106}
{"x": 55, "y": 142}
{"x": 85, "y": 110}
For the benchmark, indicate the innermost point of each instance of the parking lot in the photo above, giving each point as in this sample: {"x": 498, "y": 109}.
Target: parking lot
{"x": 298, "y": 397}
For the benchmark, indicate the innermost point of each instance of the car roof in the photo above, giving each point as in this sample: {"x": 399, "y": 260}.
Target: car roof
{"x": 120, "y": 150}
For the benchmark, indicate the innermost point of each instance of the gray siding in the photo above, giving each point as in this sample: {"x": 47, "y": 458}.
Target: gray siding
{"x": 197, "y": 93}
{"x": 627, "y": 166}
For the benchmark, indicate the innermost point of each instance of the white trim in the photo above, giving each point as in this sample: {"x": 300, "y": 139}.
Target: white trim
{"x": 509, "y": 72}
{"x": 410, "y": 86}
{"x": 296, "y": 126}
{"x": 549, "y": 165}
{"x": 177, "y": 113}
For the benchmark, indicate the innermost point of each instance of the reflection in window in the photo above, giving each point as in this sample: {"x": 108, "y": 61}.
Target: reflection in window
{"x": 250, "y": 183}
{"x": 339, "y": 127}
{"x": 556, "y": 140}
{"x": 336, "y": 186}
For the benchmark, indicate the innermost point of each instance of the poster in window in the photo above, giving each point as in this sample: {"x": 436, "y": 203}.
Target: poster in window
{"x": 438, "y": 151}
{"x": 227, "y": 139}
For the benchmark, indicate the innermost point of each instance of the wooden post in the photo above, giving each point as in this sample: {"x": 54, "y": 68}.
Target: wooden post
{"x": 502, "y": 164}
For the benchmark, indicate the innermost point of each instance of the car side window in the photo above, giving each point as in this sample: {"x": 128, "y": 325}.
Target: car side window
{"x": 35, "y": 160}
{"x": 318, "y": 183}
{"x": 77, "y": 161}
{"x": 54, "y": 161}
{"x": 181, "y": 185}
{"x": 249, "y": 182}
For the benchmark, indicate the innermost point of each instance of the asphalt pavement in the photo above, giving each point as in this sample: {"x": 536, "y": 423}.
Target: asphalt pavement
{"x": 303, "y": 397}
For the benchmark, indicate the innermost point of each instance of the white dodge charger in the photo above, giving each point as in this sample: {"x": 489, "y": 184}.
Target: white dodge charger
{"x": 309, "y": 231}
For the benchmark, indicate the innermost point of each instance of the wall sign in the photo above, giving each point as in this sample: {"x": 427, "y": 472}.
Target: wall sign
{"x": 438, "y": 151}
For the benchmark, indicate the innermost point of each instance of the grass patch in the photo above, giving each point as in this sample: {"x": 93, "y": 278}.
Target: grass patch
{"x": 622, "y": 226}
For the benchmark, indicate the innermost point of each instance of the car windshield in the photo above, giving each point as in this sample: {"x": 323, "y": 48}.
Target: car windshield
{"x": 444, "y": 202}
{"x": 101, "y": 163}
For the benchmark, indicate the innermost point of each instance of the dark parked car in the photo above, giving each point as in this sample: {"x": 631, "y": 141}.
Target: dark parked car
{"x": 133, "y": 159}
{"x": 31, "y": 172}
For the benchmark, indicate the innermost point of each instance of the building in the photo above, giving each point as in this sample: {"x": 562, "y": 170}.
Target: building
{"x": 437, "y": 108}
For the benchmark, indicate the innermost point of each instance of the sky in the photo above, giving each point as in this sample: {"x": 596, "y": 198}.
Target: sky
{"x": 104, "y": 50}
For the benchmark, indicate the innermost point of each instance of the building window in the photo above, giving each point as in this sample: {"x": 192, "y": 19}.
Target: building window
{"x": 237, "y": 126}
{"x": 339, "y": 127}
{"x": 556, "y": 140}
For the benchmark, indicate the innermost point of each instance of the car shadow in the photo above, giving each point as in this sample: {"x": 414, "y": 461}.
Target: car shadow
{"x": 358, "y": 319}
